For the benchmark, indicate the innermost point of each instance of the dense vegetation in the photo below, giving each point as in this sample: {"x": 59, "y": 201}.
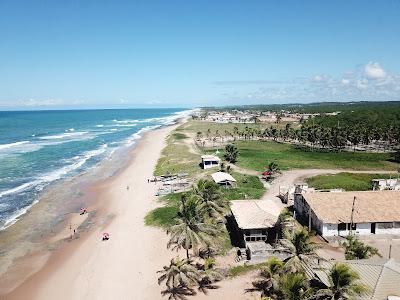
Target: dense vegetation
{"x": 318, "y": 107}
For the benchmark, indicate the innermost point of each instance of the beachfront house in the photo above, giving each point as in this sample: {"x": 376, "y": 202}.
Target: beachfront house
{"x": 342, "y": 213}
{"x": 253, "y": 220}
{"x": 224, "y": 179}
{"x": 209, "y": 161}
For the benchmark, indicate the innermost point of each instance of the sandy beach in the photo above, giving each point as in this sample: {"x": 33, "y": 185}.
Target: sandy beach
{"x": 123, "y": 267}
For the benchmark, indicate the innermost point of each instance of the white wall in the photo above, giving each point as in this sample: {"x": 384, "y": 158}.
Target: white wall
{"x": 362, "y": 229}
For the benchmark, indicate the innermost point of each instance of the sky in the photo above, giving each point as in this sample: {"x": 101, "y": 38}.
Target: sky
{"x": 125, "y": 54}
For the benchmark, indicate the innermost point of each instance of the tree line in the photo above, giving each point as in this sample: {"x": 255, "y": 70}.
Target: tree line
{"x": 331, "y": 133}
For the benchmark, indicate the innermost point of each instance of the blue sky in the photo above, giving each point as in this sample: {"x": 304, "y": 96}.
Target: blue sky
{"x": 72, "y": 54}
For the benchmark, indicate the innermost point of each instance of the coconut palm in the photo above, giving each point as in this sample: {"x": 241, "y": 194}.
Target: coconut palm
{"x": 178, "y": 292}
{"x": 231, "y": 153}
{"x": 211, "y": 201}
{"x": 273, "y": 168}
{"x": 301, "y": 249}
{"x": 190, "y": 230}
{"x": 268, "y": 278}
{"x": 356, "y": 249}
{"x": 342, "y": 284}
{"x": 294, "y": 286}
{"x": 180, "y": 272}
{"x": 209, "y": 276}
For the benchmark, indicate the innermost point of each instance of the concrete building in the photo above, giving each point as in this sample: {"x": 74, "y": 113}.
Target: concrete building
{"x": 224, "y": 179}
{"x": 330, "y": 214}
{"x": 386, "y": 184}
{"x": 210, "y": 161}
{"x": 253, "y": 219}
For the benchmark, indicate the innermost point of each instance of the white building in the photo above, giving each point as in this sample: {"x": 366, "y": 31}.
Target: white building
{"x": 330, "y": 214}
{"x": 224, "y": 179}
{"x": 386, "y": 184}
{"x": 209, "y": 161}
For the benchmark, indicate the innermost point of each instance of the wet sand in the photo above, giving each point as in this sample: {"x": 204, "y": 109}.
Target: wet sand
{"x": 124, "y": 267}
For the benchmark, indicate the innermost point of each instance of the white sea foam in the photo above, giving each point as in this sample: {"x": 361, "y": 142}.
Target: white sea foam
{"x": 11, "y": 145}
{"x": 19, "y": 188}
{"x": 70, "y": 129}
{"x": 14, "y": 217}
{"x": 47, "y": 178}
{"x": 63, "y": 135}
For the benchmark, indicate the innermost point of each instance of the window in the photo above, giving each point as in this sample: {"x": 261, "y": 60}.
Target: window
{"x": 386, "y": 225}
{"x": 354, "y": 227}
{"x": 396, "y": 224}
{"x": 341, "y": 226}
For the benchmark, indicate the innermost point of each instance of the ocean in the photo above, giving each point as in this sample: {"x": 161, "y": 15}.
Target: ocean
{"x": 40, "y": 148}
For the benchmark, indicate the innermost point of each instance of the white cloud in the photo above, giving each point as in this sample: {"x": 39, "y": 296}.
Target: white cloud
{"x": 39, "y": 103}
{"x": 367, "y": 82}
{"x": 123, "y": 101}
{"x": 374, "y": 71}
{"x": 345, "y": 81}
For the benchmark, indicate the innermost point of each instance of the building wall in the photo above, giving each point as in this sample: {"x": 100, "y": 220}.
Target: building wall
{"x": 325, "y": 229}
{"x": 362, "y": 229}
{"x": 207, "y": 164}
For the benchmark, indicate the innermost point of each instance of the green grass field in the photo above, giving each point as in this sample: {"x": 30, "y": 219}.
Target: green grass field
{"x": 256, "y": 155}
{"x": 346, "y": 181}
{"x": 176, "y": 157}
{"x": 248, "y": 187}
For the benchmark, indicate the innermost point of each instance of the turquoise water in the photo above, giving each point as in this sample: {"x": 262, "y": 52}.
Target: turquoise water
{"x": 42, "y": 147}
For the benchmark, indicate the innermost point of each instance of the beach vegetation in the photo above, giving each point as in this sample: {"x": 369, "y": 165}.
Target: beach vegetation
{"x": 356, "y": 249}
{"x": 345, "y": 180}
{"x": 300, "y": 248}
{"x": 212, "y": 203}
{"x": 343, "y": 284}
{"x": 231, "y": 153}
{"x": 176, "y": 157}
{"x": 267, "y": 281}
{"x": 191, "y": 230}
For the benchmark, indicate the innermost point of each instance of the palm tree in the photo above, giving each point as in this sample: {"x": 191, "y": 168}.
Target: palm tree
{"x": 209, "y": 276}
{"x": 180, "y": 272}
{"x": 301, "y": 248}
{"x": 355, "y": 249}
{"x": 212, "y": 204}
{"x": 231, "y": 153}
{"x": 342, "y": 284}
{"x": 294, "y": 286}
{"x": 190, "y": 230}
{"x": 268, "y": 278}
{"x": 273, "y": 168}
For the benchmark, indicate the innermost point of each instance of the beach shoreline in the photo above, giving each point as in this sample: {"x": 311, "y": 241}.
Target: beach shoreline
{"x": 124, "y": 220}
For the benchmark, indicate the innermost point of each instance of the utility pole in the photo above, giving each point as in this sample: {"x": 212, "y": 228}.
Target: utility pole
{"x": 352, "y": 216}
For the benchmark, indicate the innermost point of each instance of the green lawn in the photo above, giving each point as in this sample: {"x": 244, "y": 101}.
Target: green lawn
{"x": 257, "y": 155}
{"x": 346, "y": 181}
{"x": 249, "y": 187}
